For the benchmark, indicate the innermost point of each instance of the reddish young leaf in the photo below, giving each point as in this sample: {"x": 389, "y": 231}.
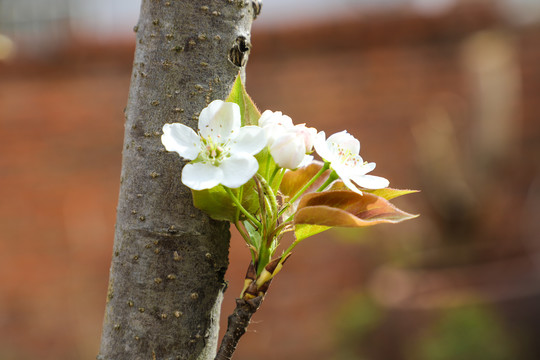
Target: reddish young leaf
{"x": 347, "y": 209}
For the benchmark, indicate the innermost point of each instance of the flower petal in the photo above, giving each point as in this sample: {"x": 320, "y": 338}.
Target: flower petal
{"x": 346, "y": 141}
{"x": 219, "y": 120}
{"x": 362, "y": 169}
{"x": 274, "y": 124}
{"x": 265, "y": 118}
{"x": 200, "y": 176}
{"x": 371, "y": 181}
{"x": 249, "y": 139}
{"x": 181, "y": 139}
{"x": 348, "y": 183}
{"x": 270, "y": 118}
{"x": 321, "y": 147}
{"x": 308, "y": 159}
{"x": 288, "y": 151}
{"x": 308, "y": 134}
{"x": 368, "y": 167}
{"x": 238, "y": 169}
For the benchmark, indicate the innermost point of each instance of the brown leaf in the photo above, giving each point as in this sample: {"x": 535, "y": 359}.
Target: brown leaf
{"x": 295, "y": 180}
{"x": 347, "y": 209}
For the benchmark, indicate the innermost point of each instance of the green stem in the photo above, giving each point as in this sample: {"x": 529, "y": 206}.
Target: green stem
{"x": 290, "y": 248}
{"x": 240, "y": 196}
{"x": 242, "y": 232}
{"x": 239, "y": 205}
{"x": 271, "y": 196}
{"x": 333, "y": 176}
{"x": 325, "y": 167}
{"x": 274, "y": 173}
{"x": 268, "y": 165}
{"x": 278, "y": 229}
{"x": 276, "y": 181}
{"x": 262, "y": 206}
{"x": 264, "y": 257}
{"x": 247, "y": 239}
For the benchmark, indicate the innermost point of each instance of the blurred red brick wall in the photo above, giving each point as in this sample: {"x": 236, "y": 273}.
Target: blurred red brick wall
{"x": 61, "y": 138}
{"x": 61, "y": 129}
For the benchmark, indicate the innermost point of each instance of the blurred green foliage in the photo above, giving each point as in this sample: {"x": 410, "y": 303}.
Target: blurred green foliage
{"x": 471, "y": 332}
{"x": 365, "y": 330}
{"x": 358, "y": 316}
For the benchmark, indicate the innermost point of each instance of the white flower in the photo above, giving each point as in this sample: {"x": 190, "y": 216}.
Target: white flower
{"x": 288, "y": 144}
{"x": 222, "y": 150}
{"x": 307, "y": 134}
{"x": 288, "y": 150}
{"x": 274, "y": 125}
{"x": 342, "y": 150}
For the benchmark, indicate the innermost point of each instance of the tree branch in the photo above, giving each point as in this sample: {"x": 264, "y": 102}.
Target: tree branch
{"x": 237, "y": 324}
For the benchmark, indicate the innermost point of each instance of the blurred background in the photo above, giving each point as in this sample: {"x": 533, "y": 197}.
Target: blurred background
{"x": 444, "y": 96}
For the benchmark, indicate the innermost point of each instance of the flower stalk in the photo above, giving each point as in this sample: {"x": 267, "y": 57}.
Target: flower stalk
{"x": 250, "y": 217}
{"x": 300, "y": 192}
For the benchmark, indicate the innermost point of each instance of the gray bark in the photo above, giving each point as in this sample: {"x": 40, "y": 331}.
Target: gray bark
{"x": 169, "y": 259}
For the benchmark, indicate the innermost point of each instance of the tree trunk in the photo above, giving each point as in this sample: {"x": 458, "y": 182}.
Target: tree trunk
{"x": 169, "y": 259}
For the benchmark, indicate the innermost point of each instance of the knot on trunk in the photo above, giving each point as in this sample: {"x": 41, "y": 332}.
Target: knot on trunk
{"x": 239, "y": 52}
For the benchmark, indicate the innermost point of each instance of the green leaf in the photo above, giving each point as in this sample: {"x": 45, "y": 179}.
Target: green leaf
{"x": 386, "y": 193}
{"x": 248, "y": 109}
{"x": 219, "y": 206}
{"x": 267, "y": 165}
{"x": 303, "y": 231}
{"x": 390, "y": 193}
{"x": 254, "y": 235}
{"x": 347, "y": 209}
{"x": 215, "y": 202}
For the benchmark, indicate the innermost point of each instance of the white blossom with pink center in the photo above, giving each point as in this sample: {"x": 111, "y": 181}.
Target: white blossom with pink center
{"x": 342, "y": 151}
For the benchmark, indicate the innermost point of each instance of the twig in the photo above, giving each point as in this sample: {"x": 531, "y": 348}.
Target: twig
{"x": 237, "y": 324}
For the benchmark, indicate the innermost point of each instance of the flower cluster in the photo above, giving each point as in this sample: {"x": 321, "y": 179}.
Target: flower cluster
{"x": 222, "y": 152}
{"x": 258, "y": 171}
{"x": 289, "y": 145}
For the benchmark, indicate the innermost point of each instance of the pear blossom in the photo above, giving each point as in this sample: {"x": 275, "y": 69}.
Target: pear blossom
{"x": 289, "y": 144}
{"x": 221, "y": 151}
{"x": 273, "y": 123}
{"x": 342, "y": 150}
{"x": 307, "y": 134}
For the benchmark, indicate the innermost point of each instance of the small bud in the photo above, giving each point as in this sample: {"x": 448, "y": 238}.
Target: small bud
{"x": 288, "y": 150}
{"x": 251, "y": 291}
{"x": 263, "y": 277}
{"x": 264, "y": 288}
{"x": 280, "y": 265}
{"x": 247, "y": 282}
{"x": 251, "y": 272}
{"x": 271, "y": 266}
